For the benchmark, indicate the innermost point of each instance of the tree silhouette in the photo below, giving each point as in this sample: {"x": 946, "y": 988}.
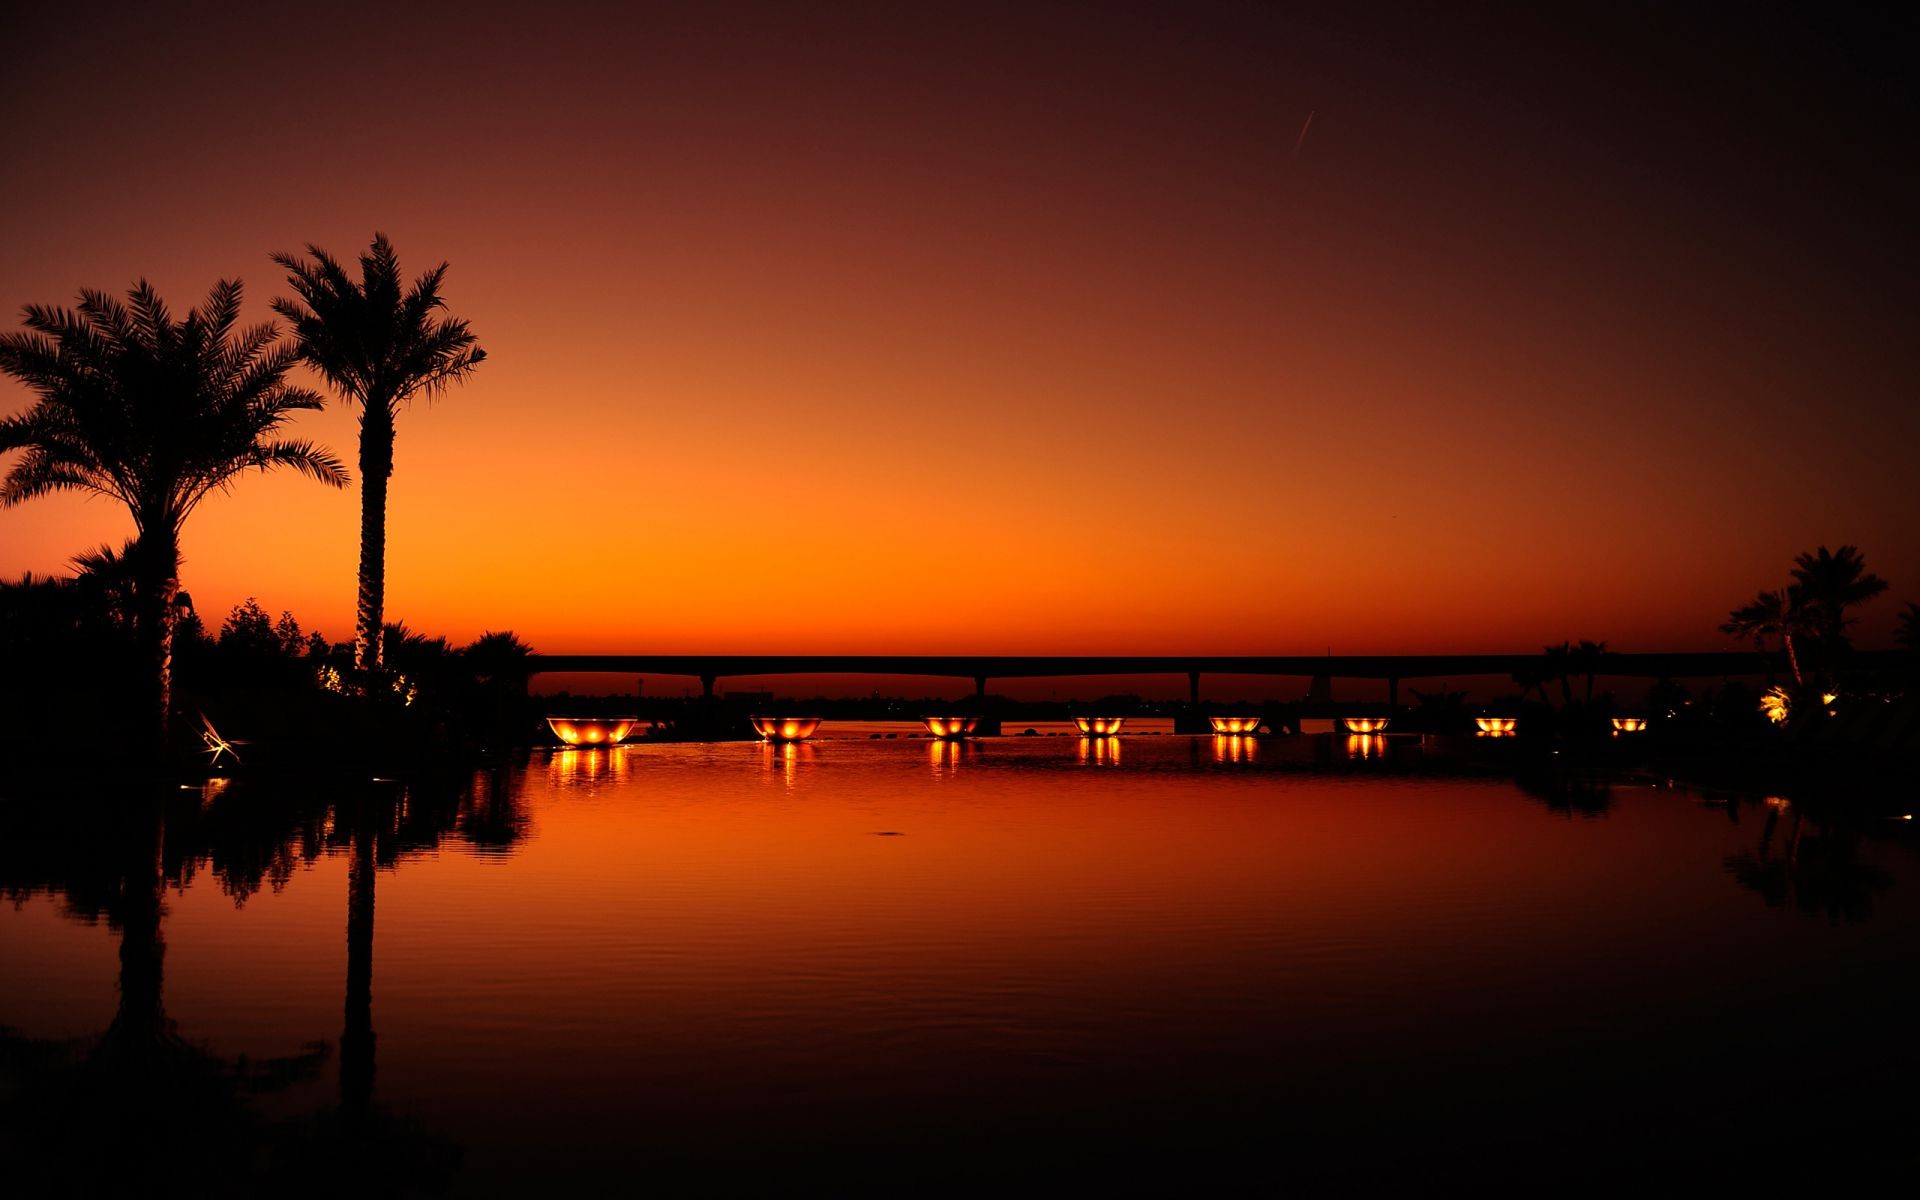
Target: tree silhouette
{"x": 1908, "y": 634}
{"x": 378, "y": 343}
{"x": 1586, "y": 659}
{"x": 1832, "y": 583}
{"x": 1560, "y": 665}
{"x": 155, "y": 413}
{"x": 1534, "y": 679}
{"x": 1781, "y": 613}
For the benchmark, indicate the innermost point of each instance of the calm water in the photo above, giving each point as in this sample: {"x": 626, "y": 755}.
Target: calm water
{"x": 903, "y": 965}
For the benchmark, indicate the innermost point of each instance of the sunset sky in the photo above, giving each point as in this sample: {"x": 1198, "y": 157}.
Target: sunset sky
{"x": 1029, "y": 329}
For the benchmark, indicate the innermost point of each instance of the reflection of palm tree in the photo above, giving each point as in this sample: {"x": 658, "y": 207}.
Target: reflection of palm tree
{"x": 356, "y": 1039}
{"x": 1781, "y": 613}
{"x": 155, "y": 413}
{"x": 1819, "y": 873}
{"x": 1832, "y": 583}
{"x": 164, "y": 1104}
{"x": 378, "y": 342}
{"x": 1568, "y": 792}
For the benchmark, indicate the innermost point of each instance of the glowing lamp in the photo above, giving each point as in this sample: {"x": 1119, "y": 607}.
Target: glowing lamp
{"x": 591, "y": 731}
{"x": 1098, "y": 726}
{"x": 1629, "y": 724}
{"x": 1495, "y": 724}
{"x": 950, "y": 727}
{"x": 785, "y": 729}
{"x": 1366, "y": 724}
{"x": 1235, "y": 724}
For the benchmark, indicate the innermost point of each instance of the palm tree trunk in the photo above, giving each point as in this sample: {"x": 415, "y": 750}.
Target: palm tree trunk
{"x": 376, "y": 466}
{"x": 157, "y": 576}
{"x": 1793, "y": 661}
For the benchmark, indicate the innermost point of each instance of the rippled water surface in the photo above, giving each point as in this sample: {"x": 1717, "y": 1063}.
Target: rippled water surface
{"x": 1154, "y": 960}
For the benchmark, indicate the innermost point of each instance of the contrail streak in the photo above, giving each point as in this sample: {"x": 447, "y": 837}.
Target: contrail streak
{"x": 1302, "y": 139}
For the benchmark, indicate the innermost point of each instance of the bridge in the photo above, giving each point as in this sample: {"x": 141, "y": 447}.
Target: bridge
{"x": 709, "y": 669}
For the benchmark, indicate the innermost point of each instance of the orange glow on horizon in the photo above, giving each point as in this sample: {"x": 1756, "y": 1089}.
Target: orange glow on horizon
{"x": 776, "y": 365}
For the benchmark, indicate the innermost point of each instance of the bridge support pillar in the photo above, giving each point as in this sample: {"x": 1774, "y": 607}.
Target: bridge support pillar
{"x": 1193, "y": 687}
{"x": 979, "y": 687}
{"x": 1393, "y": 693}
{"x": 706, "y": 685}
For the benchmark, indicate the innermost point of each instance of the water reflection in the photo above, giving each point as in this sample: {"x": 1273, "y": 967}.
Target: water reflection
{"x": 1235, "y": 748}
{"x": 785, "y": 759}
{"x": 1573, "y": 793}
{"x": 584, "y": 766}
{"x": 1098, "y": 751}
{"x": 718, "y": 930}
{"x": 946, "y": 754}
{"x": 1366, "y": 745}
{"x": 1809, "y": 867}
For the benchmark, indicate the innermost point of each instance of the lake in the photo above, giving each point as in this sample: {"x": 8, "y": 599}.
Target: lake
{"x": 1154, "y": 962}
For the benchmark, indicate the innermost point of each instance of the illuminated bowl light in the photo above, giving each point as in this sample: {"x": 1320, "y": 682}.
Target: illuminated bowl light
{"x": 950, "y": 727}
{"x": 1629, "y": 724}
{"x": 1099, "y": 726}
{"x": 1235, "y": 725}
{"x": 1365, "y": 724}
{"x": 785, "y": 729}
{"x": 1495, "y": 725}
{"x": 591, "y": 731}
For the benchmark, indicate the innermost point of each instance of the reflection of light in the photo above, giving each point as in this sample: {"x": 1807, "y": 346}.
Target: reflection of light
{"x": 1235, "y": 748}
{"x": 587, "y": 764}
{"x": 1366, "y": 724}
{"x": 1495, "y": 725}
{"x": 1098, "y": 726}
{"x": 950, "y": 727}
{"x": 1099, "y": 750}
{"x": 1778, "y": 802}
{"x": 1366, "y": 745}
{"x": 591, "y": 731}
{"x": 947, "y": 753}
{"x": 785, "y": 729}
{"x": 1774, "y": 705}
{"x": 785, "y": 756}
{"x": 1629, "y": 724}
{"x": 1235, "y": 724}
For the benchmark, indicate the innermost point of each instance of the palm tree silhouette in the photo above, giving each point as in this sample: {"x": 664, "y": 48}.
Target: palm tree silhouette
{"x": 1560, "y": 665}
{"x": 1781, "y": 613}
{"x": 378, "y": 342}
{"x": 1534, "y": 679}
{"x": 1833, "y": 582}
{"x": 1586, "y": 658}
{"x": 1908, "y": 634}
{"x": 155, "y": 413}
